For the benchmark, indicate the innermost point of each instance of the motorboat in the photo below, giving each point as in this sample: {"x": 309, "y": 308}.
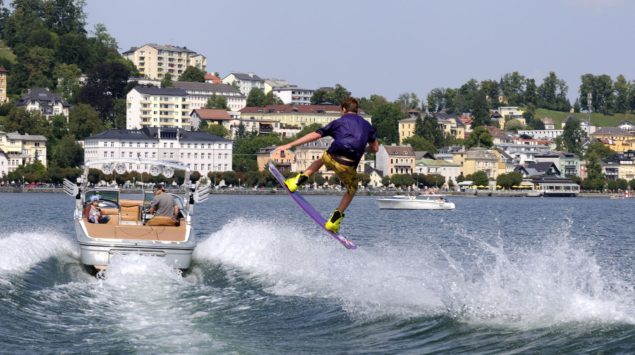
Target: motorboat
{"x": 415, "y": 202}
{"x": 131, "y": 228}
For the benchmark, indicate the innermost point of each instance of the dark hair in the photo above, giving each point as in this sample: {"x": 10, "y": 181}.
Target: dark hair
{"x": 350, "y": 105}
{"x": 158, "y": 187}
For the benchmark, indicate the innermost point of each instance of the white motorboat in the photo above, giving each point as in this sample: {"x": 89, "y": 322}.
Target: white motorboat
{"x": 130, "y": 228}
{"x": 421, "y": 202}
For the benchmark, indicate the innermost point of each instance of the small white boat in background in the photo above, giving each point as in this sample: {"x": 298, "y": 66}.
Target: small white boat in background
{"x": 421, "y": 202}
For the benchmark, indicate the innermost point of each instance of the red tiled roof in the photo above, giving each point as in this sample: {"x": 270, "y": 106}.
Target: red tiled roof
{"x": 3, "y": 70}
{"x": 213, "y": 78}
{"x": 212, "y": 114}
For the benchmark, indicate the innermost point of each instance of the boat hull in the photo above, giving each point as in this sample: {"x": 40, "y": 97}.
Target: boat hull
{"x": 414, "y": 204}
{"x": 99, "y": 252}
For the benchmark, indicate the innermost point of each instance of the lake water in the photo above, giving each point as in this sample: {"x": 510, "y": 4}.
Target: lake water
{"x": 510, "y": 275}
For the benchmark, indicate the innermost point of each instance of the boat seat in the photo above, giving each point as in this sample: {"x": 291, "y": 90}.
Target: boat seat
{"x": 130, "y": 210}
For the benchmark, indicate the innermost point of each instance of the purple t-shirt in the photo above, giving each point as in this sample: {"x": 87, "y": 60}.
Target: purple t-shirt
{"x": 351, "y": 133}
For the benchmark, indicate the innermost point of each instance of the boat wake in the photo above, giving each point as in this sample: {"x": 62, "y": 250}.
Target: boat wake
{"x": 480, "y": 281}
{"x": 20, "y": 251}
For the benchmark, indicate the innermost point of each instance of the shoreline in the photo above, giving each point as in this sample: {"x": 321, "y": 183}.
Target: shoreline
{"x": 271, "y": 191}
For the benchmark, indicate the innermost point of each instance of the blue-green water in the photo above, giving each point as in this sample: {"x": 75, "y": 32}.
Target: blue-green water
{"x": 496, "y": 275}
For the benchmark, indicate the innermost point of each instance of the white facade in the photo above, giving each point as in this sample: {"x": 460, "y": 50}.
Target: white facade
{"x": 4, "y": 164}
{"x": 549, "y": 134}
{"x": 294, "y": 95}
{"x": 523, "y": 153}
{"x": 157, "y": 107}
{"x": 197, "y": 151}
{"x": 450, "y": 171}
{"x": 199, "y": 93}
{"x": 245, "y": 82}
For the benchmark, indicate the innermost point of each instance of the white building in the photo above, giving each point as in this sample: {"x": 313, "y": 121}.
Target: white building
{"x": 45, "y": 102}
{"x": 200, "y": 151}
{"x": 549, "y": 134}
{"x": 154, "y": 61}
{"x": 523, "y": 153}
{"x": 157, "y": 107}
{"x": 245, "y": 82}
{"x": 199, "y": 93}
{"x": 449, "y": 170}
{"x": 293, "y": 95}
{"x": 4, "y": 164}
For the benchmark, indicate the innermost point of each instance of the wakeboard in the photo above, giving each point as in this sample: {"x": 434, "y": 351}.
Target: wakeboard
{"x": 308, "y": 209}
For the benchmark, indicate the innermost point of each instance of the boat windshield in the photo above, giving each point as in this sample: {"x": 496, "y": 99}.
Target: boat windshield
{"x": 107, "y": 195}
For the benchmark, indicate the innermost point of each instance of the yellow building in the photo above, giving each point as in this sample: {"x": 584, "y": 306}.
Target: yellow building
{"x": 619, "y": 140}
{"x": 492, "y": 161}
{"x": 22, "y": 149}
{"x": 407, "y": 128}
{"x": 154, "y": 61}
{"x": 626, "y": 171}
{"x": 267, "y": 154}
{"x": 297, "y": 116}
{"x": 3, "y": 85}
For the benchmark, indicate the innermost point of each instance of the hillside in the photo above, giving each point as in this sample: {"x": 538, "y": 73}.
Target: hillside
{"x": 597, "y": 119}
{"x": 6, "y": 52}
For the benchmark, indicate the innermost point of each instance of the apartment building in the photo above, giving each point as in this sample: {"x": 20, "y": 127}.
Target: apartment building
{"x": 493, "y": 162}
{"x": 296, "y": 116}
{"x": 3, "y": 84}
{"x": 157, "y": 107}
{"x": 200, "y": 151}
{"x": 245, "y": 82}
{"x": 567, "y": 163}
{"x": 4, "y": 163}
{"x": 199, "y": 93}
{"x": 22, "y": 149}
{"x": 293, "y": 95}
{"x": 395, "y": 159}
{"x": 154, "y": 61}
{"x": 282, "y": 162}
{"x": 44, "y": 102}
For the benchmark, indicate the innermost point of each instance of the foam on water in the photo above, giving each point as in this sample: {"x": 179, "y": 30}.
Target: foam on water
{"x": 19, "y": 251}
{"x": 546, "y": 284}
{"x": 139, "y": 301}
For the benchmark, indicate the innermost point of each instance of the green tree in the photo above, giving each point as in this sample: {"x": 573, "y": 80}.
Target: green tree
{"x": 598, "y": 149}
{"x": 193, "y": 74}
{"x": 572, "y": 136}
{"x": 67, "y": 153}
{"x": 166, "y": 82}
{"x": 622, "y": 90}
{"x": 480, "y": 137}
{"x": 480, "y": 113}
{"x": 595, "y": 179}
{"x": 513, "y": 85}
{"x": 83, "y": 121}
{"x": 492, "y": 91}
{"x": 106, "y": 82}
{"x": 308, "y": 129}
{"x": 402, "y": 180}
{"x": 25, "y": 122}
{"x": 65, "y": 16}
{"x": 419, "y": 143}
{"x": 217, "y": 101}
{"x": 510, "y": 179}
{"x": 386, "y": 116}
{"x": 215, "y": 129}
{"x": 479, "y": 178}
{"x": 334, "y": 96}
{"x": 409, "y": 101}
{"x": 67, "y": 76}
{"x": 256, "y": 98}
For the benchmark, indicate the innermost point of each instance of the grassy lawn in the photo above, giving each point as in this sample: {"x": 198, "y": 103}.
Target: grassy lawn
{"x": 597, "y": 119}
{"x": 6, "y": 52}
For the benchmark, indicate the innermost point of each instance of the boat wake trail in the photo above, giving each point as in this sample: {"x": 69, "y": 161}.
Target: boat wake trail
{"x": 19, "y": 251}
{"x": 474, "y": 281}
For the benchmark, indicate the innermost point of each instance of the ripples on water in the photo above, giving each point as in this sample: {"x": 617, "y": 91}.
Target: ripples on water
{"x": 495, "y": 275}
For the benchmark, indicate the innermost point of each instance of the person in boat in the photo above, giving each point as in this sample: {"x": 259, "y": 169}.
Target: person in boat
{"x": 163, "y": 205}
{"x": 94, "y": 213}
{"x": 351, "y": 134}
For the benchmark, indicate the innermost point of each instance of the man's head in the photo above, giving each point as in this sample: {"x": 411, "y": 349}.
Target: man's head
{"x": 94, "y": 199}
{"x": 158, "y": 188}
{"x": 349, "y": 105}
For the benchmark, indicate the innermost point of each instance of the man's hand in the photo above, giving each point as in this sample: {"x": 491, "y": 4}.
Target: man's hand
{"x": 282, "y": 148}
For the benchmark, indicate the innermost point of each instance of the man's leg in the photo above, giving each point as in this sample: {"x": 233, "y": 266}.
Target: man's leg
{"x": 314, "y": 167}
{"x": 345, "y": 202}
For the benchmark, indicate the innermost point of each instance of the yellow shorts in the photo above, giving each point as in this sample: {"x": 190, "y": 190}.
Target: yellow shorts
{"x": 347, "y": 174}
